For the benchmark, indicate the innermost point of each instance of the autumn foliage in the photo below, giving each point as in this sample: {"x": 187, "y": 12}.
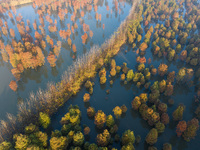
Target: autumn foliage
{"x": 13, "y": 85}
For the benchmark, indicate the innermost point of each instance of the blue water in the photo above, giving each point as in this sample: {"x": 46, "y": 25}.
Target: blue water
{"x": 32, "y": 80}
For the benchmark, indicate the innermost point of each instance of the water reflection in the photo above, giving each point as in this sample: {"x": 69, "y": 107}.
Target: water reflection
{"x": 67, "y": 15}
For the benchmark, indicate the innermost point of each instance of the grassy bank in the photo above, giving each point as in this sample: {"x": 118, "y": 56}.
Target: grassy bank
{"x": 56, "y": 95}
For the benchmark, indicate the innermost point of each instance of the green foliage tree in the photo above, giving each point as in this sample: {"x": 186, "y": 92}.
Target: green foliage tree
{"x": 191, "y": 130}
{"x": 78, "y": 139}
{"x": 21, "y": 141}
{"x": 128, "y": 147}
{"x": 5, "y": 145}
{"x": 31, "y": 129}
{"x": 178, "y": 113}
{"x": 141, "y": 67}
{"x": 167, "y": 146}
{"x": 152, "y": 136}
{"x": 136, "y": 103}
{"x": 100, "y": 118}
{"x": 130, "y": 75}
{"x": 128, "y": 137}
{"x": 93, "y": 147}
{"x": 44, "y": 120}
{"x": 143, "y": 97}
{"x": 104, "y": 138}
{"x": 160, "y": 127}
{"x": 73, "y": 116}
{"x": 57, "y": 143}
{"x": 117, "y": 111}
{"x": 110, "y": 121}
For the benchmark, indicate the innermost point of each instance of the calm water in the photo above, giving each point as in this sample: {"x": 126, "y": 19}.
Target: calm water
{"x": 119, "y": 93}
{"x": 124, "y": 94}
{"x": 33, "y": 79}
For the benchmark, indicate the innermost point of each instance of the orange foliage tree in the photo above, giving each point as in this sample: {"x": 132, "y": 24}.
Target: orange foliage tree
{"x": 69, "y": 41}
{"x": 4, "y": 31}
{"x": 13, "y": 85}
{"x": 12, "y": 33}
{"x": 96, "y": 16}
{"x": 84, "y": 38}
{"x": 34, "y": 25}
{"x": 52, "y": 59}
{"x": 143, "y": 46}
{"x": 162, "y": 69}
{"x": 103, "y": 26}
{"x": 51, "y": 43}
{"x": 74, "y": 48}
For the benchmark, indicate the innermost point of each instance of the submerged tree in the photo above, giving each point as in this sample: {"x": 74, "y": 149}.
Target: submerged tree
{"x": 136, "y": 103}
{"x": 110, "y": 121}
{"x": 44, "y": 120}
{"x": 181, "y": 127}
{"x": 152, "y": 136}
{"x": 103, "y": 139}
{"x": 58, "y": 143}
{"x": 21, "y": 141}
{"x": 117, "y": 111}
{"x": 13, "y": 85}
{"x": 52, "y": 59}
{"x": 167, "y": 146}
{"x": 5, "y": 145}
{"x": 162, "y": 69}
{"x": 160, "y": 127}
{"x": 91, "y": 112}
{"x": 130, "y": 75}
{"x": 100, "y": 118}
{"x": 78, "y": 139}
{"x": 128, "y": 137}
{"x": 178, "y": 113}
{"x": 192, "y": 127}
{"x": 86, "y": 97}
{"x": 86, "y": 130}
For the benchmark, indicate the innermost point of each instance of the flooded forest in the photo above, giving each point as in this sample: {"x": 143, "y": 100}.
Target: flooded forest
{"x": 99, "y": 74}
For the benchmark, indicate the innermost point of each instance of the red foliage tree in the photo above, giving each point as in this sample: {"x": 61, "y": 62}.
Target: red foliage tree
{"x": 181, "y": 127}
